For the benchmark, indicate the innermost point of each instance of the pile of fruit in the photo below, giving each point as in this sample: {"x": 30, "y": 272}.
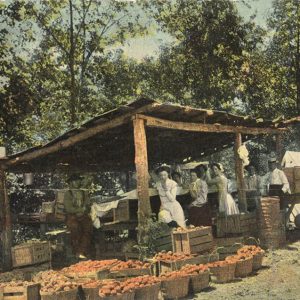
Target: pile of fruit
{"x": 188, "y": 229}
{"x": 238, "y": 257}
{"x": 171, "y": 256}
{"x": 172, "y": 275}
{"x": 53, "y": 286}
{"x": 48, "y": 276}
{"x": 220, "y": 263}
{"x": 142, "y": 281}
{"x": 90, "y": 266}
{"x": 130, "y": 264}
{"x": 194, "y": 269}
{"x": 96, "y": 283}
{"x": 11, "y": 276}
{"x": 250, "y": 250}
{"x": 14, "y": 284}
{"x": 115, "y": 288}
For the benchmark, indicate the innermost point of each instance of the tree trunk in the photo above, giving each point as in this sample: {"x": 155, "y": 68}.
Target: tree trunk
{"x": 73, "y": 93}
{"x": 239, "y": 171}
{"x": 298, "y": 60}
{"x": 6, "y": 235}
{"x": 142, "y": 176}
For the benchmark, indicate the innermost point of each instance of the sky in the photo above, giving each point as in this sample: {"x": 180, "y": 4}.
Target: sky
{"x": 148, "y": 46}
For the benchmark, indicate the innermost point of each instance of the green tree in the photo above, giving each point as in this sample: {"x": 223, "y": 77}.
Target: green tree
{"x": 284, "y": 51}
{"x": 203, "y": 65}
{"x": 76, "y": 34}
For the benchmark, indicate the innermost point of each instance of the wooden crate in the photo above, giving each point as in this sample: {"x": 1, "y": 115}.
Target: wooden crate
{"x": 164, "y": 242}
{"x": 193, "y": 242}
{"x": 30, "y": 254}
{"x": 66, "y": 295}
{"x": 240, "y": 224}
{"x": 165, "y": 266}
{"x": 30, "y": 292}
{"x": 100, "y": 274}
{"x": 126, "y": 211}
{"x": 128, "y": 273}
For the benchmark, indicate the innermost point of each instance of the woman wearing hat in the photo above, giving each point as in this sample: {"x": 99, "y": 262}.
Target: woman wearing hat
{"x": 78, "y": 221}
{"x": 171, "y": 211}
{"x": 227, "y": 205}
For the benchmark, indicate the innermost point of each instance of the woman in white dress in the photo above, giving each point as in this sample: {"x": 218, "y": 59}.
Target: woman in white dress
{"x": 171, "y": 211}
{"x": 226, "y": 202}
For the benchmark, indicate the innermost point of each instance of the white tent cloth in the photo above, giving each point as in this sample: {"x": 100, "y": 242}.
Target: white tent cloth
{"x": 291, "y": 159}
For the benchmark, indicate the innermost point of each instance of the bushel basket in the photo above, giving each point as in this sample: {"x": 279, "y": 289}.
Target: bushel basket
{"x": 199, "y": 282}
{"x": 223, "y": 274}
{"x": 244, "y": 267}
{"x": 176, "y": 288}
{"x": 147, "y": 292}
{"x": 257, "y": 260}
{"x": 125, "y": 296}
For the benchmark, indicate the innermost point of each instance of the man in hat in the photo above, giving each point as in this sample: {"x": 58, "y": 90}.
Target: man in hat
{"x": 278, "y": 182}
{"x": 78, "y": 221}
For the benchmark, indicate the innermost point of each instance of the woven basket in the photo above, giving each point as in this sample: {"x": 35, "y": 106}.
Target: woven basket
{"x": 67, "y": 295}
{"x": 244, "y": 267}
{"x": 176, "y": 288}
{"x": 147, "y": 292}
{"x": 125, "y": 296}
{"x": 91, "y": 293}
{"x": 257, "y": 260}
{"x": 223, "y": 274}
{"x": 199, "y": 281}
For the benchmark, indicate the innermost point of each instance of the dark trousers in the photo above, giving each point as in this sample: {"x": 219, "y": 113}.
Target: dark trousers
{"x": 81, "y": 228}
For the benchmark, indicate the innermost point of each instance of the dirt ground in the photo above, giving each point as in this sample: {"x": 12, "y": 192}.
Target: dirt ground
{"x": 278, "y": 279}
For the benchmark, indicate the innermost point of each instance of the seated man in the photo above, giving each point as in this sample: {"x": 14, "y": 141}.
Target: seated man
{"x": 78, "y": 221}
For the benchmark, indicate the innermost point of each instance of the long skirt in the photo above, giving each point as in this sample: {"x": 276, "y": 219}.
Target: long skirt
{"x": 200, "y": 216}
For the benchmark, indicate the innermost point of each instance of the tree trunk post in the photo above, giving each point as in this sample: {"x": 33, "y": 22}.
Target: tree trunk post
{"x": 142, "y": 177}
{"x": 6, "y": 235}
{"x": 279, "y": 147}
{"x": 239, "y": 171}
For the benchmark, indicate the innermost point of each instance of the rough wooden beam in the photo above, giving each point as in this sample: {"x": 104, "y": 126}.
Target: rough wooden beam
{"x": 72, "y": 140}
{"x": 279, "y": 147}
{"x": 199, "y": 127}
{"x": 6, "y": 234}
{"x": 142, "y": 176}
{"x": 239, "y": 172}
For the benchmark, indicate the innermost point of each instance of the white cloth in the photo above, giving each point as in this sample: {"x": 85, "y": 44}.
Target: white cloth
{"x": 169, "y": 204}
{"x": 100, "y": 210}
{"x": 278, "y": 177}
{"x": 230, "y": 206}
{"x": 291, "y": 159}
{"x": 244, "y": 154}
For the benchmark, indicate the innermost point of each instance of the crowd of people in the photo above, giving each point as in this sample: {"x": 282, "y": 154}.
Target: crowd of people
{"x": 273, "y": 183}
{"x": 198, "y": 212}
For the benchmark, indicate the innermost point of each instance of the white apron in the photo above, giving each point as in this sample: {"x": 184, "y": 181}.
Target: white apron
{"x": 170, "y": 209}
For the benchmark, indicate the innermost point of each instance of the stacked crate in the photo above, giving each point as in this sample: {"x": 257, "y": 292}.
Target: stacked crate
{"x": 195, "y": 241}
{"x": 270, "y": 222}
{"x": 30, "y": 254}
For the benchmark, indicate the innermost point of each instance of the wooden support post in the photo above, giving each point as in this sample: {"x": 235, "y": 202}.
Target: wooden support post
{"x": 239, "y": 171}
{"x": 279, "y": 147}
{"x": 6, "y": 235}
{"x": 142, "y": 177}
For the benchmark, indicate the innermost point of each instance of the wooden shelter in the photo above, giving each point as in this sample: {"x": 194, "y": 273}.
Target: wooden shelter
{"x": 135, "y": 136}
